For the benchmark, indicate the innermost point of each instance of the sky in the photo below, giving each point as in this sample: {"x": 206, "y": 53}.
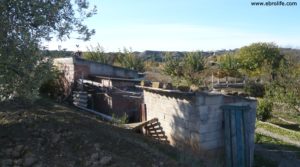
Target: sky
{"x": 187, "y": 25}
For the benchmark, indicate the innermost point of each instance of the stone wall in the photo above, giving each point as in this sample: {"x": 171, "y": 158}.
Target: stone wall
{"x": 194, "y": 120}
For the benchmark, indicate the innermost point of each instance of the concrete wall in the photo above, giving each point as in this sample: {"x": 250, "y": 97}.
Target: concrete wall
{"x": 194, "y": 121}
{"x": 121, "y": 84}
{"x": 117, "y": 104}
{"x": 106, "y": 70}
{"x": 66, "y": 65}
{"x": 76, "y": 68}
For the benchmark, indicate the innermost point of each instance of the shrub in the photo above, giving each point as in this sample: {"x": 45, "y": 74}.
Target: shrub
{"x": 255, "y": 89}
{"x": 57, "y": 87}
{"x": 264, "y": 109}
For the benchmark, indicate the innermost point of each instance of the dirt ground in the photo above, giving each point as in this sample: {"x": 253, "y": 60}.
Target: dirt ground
{"x": 53, "y": 135}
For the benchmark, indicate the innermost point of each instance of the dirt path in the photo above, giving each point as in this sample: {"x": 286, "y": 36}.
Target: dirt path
{"x": 276, "y": 136}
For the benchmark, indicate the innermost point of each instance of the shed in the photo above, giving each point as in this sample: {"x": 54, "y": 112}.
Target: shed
{"x": 204, "y": 123}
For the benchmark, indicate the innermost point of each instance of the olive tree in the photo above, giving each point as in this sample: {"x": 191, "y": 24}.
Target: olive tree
{"x": 258, "y": 59}
{"x": 24, "y": 25}
{"x": 188, "y": 68}
{"x": 193, "y": 65}
{"x": 286, "y": 89}
{"x": 172, "y": 66}
{"x": 128, "y": 59}
{"x": 97, "y": 54}
{"x": 229, "y": 65}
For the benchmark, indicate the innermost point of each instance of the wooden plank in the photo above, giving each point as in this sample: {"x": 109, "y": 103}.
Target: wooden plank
{"x": 80, "y": 96}
{"x": 233, "y": 139}
{"x": 80, "y": 100}
{"x": 227, "y": 133}
{"x": 152, "y": 125}
{"x": 239, "y": 139}
{"x": 151, "y": 128}
{"x": 246, "y": 126}
{"x": 143, "y": 114}
{"x": 80, "y": 104}
{"x": 79, "y": 92}
{"x": 138, "y": 125}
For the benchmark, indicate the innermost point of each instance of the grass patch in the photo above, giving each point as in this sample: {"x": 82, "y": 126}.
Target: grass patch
{"x": 293, "y": 135}
{"x": 283, "y": 124}
{"x": 287, "y": 113}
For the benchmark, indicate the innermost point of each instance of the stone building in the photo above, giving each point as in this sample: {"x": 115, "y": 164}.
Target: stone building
{"x": 111, "y": 90}
{"x": 197, "y": 122}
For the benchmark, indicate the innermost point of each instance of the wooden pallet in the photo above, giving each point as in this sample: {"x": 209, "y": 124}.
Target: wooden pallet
{"x": 153, "y": 129}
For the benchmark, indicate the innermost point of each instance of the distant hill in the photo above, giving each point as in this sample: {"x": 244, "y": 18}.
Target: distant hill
{"x": 158, "y": 56}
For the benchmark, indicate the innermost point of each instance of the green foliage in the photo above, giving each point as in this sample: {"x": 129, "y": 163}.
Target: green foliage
{"x": 254, "y": 89}
{"x": 286, "y": 89}
{"x": 56, "y": 85}
{"x": 229, "y": 65}
{"x": 193, "y": 64}
{"x": 264, "y": 109}
{"x": 272, "y": 143}
{"x": 172, "y": 66}
{"x": 259, "y": 58}
{"x": 97, "y": 54}
{"x": 24, "y": 24}
{"x": 120, "y": 120}
{"x": 21, "y": 75}
{"x": 189, "y": 68}
{"x": 292, "y": 135}
{"x": 129, "y": 60}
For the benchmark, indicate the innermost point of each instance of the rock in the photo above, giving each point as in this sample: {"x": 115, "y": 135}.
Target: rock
{"x": 97, "y": 146}
{"x": 18, "y": 162}
{"x": 55, "y": 138}
{"x": 6, "y": 162}
{"x": 95, "y": 157}
{"x": 105, "y": 160}
{"x": 38, "y": 165}
{"x": 8, "y": 151}
{"x": 19, "y": 148}
{"x": 29, "y": 160}
{"x": 17, "y": 152}
{"x": 88, "y": 163}
{"x": 95, "y": 164}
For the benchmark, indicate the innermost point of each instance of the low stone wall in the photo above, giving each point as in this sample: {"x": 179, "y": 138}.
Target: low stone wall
{"x": 101, "y": 69}
{"x": 76, "y": 68}
{"x": 194, "y": 120}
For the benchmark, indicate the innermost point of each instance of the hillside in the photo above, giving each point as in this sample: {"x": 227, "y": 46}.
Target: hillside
{"x": 49, "y": 134}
